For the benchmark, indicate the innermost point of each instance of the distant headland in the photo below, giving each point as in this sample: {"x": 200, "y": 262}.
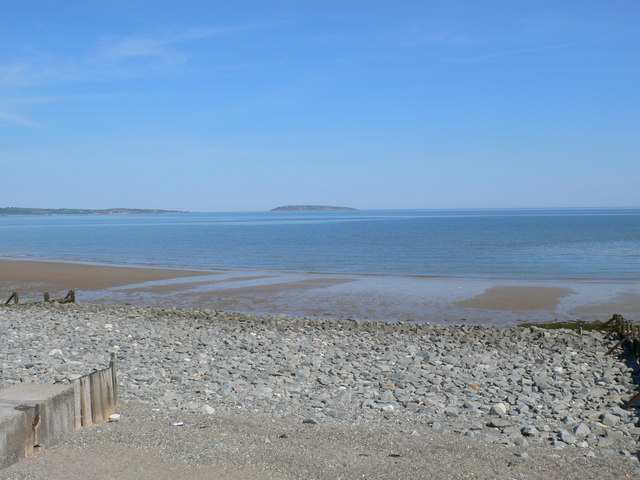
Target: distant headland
{"x": 77, "y": 211}
{"x": 308, "y": 208}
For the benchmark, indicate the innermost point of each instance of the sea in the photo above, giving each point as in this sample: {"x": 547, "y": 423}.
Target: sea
{"x": 535, "y": 244}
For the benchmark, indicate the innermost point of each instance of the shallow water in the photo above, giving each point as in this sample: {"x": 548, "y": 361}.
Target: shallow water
{"x": 535, "y": 244}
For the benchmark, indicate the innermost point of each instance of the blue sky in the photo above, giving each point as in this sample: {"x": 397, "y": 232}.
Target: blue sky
{"x": 228, "y": 106}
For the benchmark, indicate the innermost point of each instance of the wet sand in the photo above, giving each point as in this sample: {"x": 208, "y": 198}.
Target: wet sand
{"x": 342, "y": 296}
{"x": 32, "y": 276}
{"x": 518, "y": 298}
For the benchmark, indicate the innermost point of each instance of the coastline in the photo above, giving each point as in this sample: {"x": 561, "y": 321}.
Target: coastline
{"x": 478, "y": 301}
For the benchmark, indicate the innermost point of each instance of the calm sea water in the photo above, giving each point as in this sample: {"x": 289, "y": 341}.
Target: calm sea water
{"x": 598, "y": 244}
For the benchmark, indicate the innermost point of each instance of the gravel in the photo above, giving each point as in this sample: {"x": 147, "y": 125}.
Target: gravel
{"x": 144, "y": 445}
{"x": 514, "y": 387}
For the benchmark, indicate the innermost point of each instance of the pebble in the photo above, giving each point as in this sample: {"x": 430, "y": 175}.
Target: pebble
{"x": 208, "y": 410}
{"x": 498, "y": 409}
{"x": 530, "y": 431}
{"x": 555, "y": 387}
{"x": 605, "y": 442}
{"x": 568, "y": 437}
{"x": 499, "y": 423}
{"x": 581, "y": 430}
{"x": 609, "y": 420}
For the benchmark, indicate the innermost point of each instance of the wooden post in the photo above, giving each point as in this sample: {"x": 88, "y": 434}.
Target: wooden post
{"x": 77, "y": 403}
{"x": 70, "y": 298}
{"x": 102, "y": 391}
{"x": 15, "y": 296}
{"x": 96, "y": 399}
{"x": 624, "y": 339}
{"x": 85, "y": 401}
{"x": 107, "y": 393}
{"x": 103, "y": 395}
{"x": 105, "y": 380}
{"x": 114, "y": 380}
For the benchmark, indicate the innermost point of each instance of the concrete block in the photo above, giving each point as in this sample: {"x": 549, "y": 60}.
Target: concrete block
{"x": 33, "y": 416}
{"x": 16, "y": 433}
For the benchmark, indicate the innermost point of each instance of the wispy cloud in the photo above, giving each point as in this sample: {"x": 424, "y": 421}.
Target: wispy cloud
{"x": 13, "y": 73}
{"x": 9, "y": 118}
{"x": 154, "y": 45}
{"x": 109, "y": 58}
{"x": 37, "y": 69}
{"x": 522, "y": 51}
{"x": 442, "y": 38}
{"x": 547, "y": 24}
{"x": 36, "y": 99}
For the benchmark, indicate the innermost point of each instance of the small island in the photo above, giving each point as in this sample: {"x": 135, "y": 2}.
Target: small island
{"x": 77, "y": 211}
{"x": 308, "y": 208}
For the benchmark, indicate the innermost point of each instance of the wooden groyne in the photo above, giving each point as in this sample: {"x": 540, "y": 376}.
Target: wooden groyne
{"x": 95, "y": 396}
{"x": 14, "y": 299}
{"x": 628, "y": 332}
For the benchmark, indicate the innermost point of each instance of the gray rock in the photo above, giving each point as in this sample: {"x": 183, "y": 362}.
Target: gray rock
{"x": 450, "y": 359}
{"x": 609, "y": 420}
{"x": 498, "y": 409}
{"x": 208, "y": 410}
{"x": 499, "y": 423}
{"x": 387, "y": 396}
{"x": 605, "y": 442}
{"x": 178, "y": 360}
{"x": 605, "y": 453}
{"x": 345, "y": 398}
{"x": 567, "y": 437}
{"x": 530, "y": 431}
{"x": 521, "y": 442}
{"x": 582, "y": 430}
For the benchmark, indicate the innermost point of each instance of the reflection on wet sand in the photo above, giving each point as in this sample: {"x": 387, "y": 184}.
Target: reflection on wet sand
{"x": 364, "y": 297}
{"x": 518, "y": 298}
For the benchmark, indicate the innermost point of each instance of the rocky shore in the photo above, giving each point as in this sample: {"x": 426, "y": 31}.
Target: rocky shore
{"x": 518, "y": 387}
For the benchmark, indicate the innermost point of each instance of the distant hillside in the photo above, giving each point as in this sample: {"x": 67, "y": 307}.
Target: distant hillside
{"x": 76, "y": 211}
{"x": 307, "y": 208}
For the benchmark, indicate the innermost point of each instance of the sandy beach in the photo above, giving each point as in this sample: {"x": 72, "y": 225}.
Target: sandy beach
{"x": 35, "y": 277}
{"x": 363, "y": 297}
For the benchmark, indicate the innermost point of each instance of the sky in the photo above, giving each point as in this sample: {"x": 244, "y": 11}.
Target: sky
{"x": 245, "y": 106}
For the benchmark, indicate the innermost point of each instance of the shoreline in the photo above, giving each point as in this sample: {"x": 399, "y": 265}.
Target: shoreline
{"x": 447, "y": 300}
{"x": 214, "y": 269}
